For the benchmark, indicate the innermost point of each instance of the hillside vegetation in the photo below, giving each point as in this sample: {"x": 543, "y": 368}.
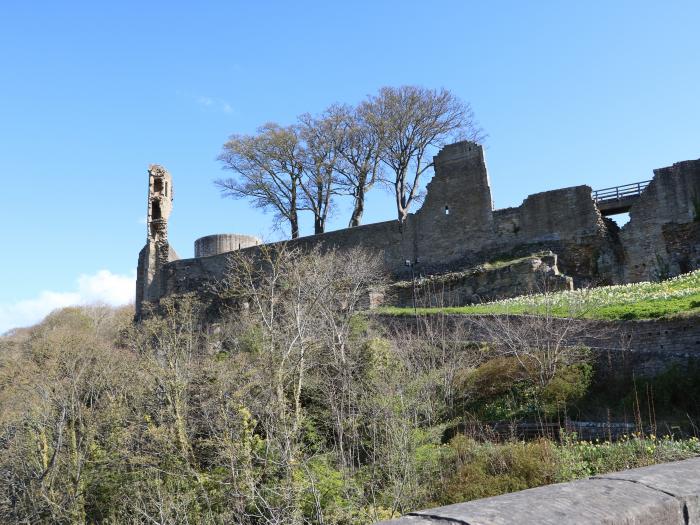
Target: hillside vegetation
{"x": 646, "y": 300}
{"x": 293, "y": 409}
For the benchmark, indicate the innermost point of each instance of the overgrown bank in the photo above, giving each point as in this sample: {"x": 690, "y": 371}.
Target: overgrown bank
{"x": 293, "y": 409}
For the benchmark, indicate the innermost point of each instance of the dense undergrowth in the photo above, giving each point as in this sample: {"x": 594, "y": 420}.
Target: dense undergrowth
{"x": 647, "y": 300}
{"x": 292, "y": 409}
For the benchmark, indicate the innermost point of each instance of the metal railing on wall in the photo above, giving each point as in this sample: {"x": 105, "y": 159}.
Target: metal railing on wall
{"x": 617, "y": 193}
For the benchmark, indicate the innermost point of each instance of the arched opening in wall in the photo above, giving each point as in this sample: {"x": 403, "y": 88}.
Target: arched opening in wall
{"x": 155, "y": 211}
{"x": 158, "y": 186}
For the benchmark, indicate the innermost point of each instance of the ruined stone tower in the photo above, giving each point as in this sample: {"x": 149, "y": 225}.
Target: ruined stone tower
{"x": 157, "y": 250}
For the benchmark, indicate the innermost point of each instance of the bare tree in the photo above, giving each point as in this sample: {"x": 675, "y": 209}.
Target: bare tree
{"x": 302, "y": 307}
{"x": 411, "y": 122}
{"x": 269, "y": 167}
{"x": 359, "y": 147}
{"x": 319, "y": 164}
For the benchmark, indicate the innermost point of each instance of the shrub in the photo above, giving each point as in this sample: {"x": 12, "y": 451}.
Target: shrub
{"x": 486, "y": 469}
{"x": 504, "y": 388}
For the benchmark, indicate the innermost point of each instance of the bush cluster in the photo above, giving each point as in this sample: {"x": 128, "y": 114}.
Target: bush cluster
{"x": 294, "y": 408}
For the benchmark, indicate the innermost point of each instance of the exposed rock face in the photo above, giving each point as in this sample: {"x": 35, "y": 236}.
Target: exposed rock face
{"x": 456, "y": 228}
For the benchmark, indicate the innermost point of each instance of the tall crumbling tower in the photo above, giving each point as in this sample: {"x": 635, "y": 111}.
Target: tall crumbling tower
{"x": 157, "y": 251}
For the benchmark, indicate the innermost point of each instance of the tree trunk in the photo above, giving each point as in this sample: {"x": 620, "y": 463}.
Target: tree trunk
{"x": 322, "y": 194}
{"x": 293, "y": 216}
{"x": 294, "y": 221}
{"x": 359, "y": 207}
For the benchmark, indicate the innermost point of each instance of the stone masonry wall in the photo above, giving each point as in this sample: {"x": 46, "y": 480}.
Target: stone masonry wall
{"x": 565, "y": 221}
{"x": 648, "y": 347}
{"x": 222, "y": 243}
{"x": 157, "y": 252}
{"x": 672, "y": 197}
{"x": 456, "y": 228}
{"x": 533, "y": 274}
{"x": 682, "y": 245}
{"x": 455, "y": 222}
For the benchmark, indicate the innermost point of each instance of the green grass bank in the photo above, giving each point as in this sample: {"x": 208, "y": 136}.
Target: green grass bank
{"x": 646, "y": 300}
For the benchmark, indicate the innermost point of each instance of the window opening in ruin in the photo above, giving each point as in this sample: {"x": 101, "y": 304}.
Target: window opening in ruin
{"x": 166, "y": 188}
{"x": 155, "y": 211}
{"x": 619, "y": 218}
{"x": 157, "y": 186}
{"x": 447, "y": 210}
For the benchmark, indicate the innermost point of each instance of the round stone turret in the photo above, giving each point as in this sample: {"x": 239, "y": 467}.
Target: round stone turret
{"x": 222, "y": 243}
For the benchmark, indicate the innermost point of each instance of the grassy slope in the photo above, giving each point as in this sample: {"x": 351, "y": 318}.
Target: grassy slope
{"x": 680, "y": 295}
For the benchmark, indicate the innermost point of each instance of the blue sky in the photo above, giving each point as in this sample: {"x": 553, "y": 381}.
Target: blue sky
{"x": 594, "y": 92}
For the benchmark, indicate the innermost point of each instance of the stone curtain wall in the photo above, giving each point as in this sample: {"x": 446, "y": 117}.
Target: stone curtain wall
{"x": 456, "y": 228}
{"x": 666, "y": 494}
{"x": 455, "y": 222}
{"x": 534, "y": 274}
{"x": 646, "y": 347}
{"x": 565, "y": 221}
{"x": 682, "y": 243}
{"x": 672, "y": 198}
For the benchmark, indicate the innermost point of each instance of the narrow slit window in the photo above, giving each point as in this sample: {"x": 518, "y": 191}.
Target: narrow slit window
{"x": 447, "y": 210}
{"x": 166, "y": 188}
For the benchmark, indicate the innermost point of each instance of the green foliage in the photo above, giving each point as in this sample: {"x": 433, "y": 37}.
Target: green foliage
{"x": 568, "y": 385}
{"x": 325, "y": 487}
{"x": 578, "y": 459}
{"x": 377, "y": 358}
{"x": 676, "y": 389}
{"x": 251, "y": 340}
{"x": 483, "y": 469}
{"x": 673, "y": 395}
{"x": 504, "y": 388}
{"x": 305, "y": 413}
{"x": 487, "y": 469}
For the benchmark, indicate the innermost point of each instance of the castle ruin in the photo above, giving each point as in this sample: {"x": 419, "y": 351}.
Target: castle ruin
{"x": 457, "y": 228}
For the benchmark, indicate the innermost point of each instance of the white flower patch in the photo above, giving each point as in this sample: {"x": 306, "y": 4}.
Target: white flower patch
{"x": 576, "y": 300}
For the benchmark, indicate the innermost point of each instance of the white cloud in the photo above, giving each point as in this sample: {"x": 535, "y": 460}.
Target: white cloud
{"x": 214, "y": 103}
{"x": 101, "y": 287}
{"x": 205, "y": 101}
